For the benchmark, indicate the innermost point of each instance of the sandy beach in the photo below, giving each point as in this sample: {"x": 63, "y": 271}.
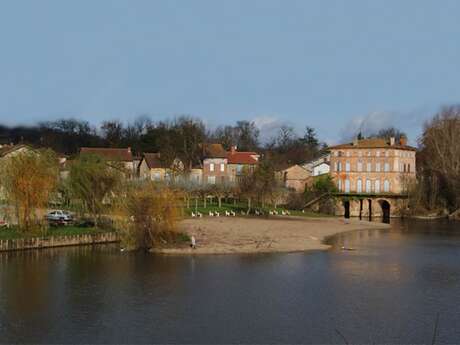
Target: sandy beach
{"x": 228, "y": 235}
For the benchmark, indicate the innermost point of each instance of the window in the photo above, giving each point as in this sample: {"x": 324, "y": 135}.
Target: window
{"x": 347, "y": 166}
{"x": 369, "y": 166}
{"x": 360, "y": 166}
{"x": 377, "y": 167}
{"x": 239, "y": 169}
{"x": 387, "y": 167}
{"x": 377, "y": 186}
{"x": 336, "y": 167}
{"x": 347, "y": 186}
{"x": 211, "y": 179}
{"x": 339, "y": 166}
{"x": 377, "y": 153}
{"x": 368, "y": 186}
{"x": 222, "y": 167}
{"x": 336, "y": 153}
{"x": 386, "y": 186}
{"x": 348, "y": 153}
{"x": 360, "y": 153}
{"x": 211, "y": 166}
{"x": 408, "y": 167}
{"x": 359, "y": 186}
{"x": 368, "y": 153}
{"x": 339, "y": 185}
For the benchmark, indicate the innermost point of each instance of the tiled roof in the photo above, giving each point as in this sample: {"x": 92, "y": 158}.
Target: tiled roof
{"x": 153, "y": 161}
{"x": 374, "y": 143}
{"x": 213, "y": 151}
{"x": 111, "y": 154}
{"x": 242, "y": 158}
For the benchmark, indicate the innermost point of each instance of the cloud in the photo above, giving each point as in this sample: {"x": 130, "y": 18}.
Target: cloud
{"x": 268, "y": 126}
{"x": 410, "y": 122}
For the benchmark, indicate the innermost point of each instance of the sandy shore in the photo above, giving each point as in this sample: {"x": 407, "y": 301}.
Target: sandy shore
{"x": 228, "y": 235}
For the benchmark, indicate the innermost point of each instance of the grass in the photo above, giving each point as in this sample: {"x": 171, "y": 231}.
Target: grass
{"x": 15, "y": 233}
{"x": 243, "y": 207}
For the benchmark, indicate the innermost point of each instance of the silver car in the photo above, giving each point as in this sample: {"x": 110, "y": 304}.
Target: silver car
{"x": 59, "y": 216}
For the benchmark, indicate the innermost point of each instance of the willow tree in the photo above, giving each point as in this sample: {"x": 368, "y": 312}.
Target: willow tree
{"x": 95, "y": 183}
{"x": 28, "y": 179}
{"x": 147, "y": 216}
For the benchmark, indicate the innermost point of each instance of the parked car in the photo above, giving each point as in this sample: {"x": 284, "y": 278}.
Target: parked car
{"x": 59, "y": 217}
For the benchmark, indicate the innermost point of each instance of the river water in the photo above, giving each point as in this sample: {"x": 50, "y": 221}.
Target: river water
{"x": 390, "y": 289}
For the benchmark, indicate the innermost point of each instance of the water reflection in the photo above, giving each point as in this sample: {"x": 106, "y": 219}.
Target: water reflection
{"x": 387, "y": 290}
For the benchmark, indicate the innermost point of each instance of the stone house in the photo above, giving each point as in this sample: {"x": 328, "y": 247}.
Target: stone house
{"x": 122, "y": 157}
{"x": 152, "y": 167}
{"x": 240, "y": 163}
{"x": 295, "y": 177}
{"x": 373, "y": 166}
{"x": 215, "y": 161}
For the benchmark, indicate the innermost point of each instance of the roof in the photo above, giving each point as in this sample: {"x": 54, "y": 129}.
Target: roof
{"x": 153, "y": 161}
{"x": 296, "y": 172}
{"x": 242, "y": 158}
{"x": 213, "y": 151}
{"x": 111, "y": 154}
{"x": 373, "y": 143}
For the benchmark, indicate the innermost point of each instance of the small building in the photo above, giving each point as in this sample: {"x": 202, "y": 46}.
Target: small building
{"x": 121, "y": 156}
{"x": 319, "y": 166}
{"x": 240, "y": 163}
{"x": 154, "y": 168}
{"x": 295, "y": 177}
{"x": 214, "y": 158}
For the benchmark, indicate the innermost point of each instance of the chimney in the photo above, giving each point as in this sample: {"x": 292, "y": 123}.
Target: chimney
{"x": 392, "y": 141}
{"x": 355, "y": 141}
{"x": 403, "y": 140}
{"x": 233, "y": 149}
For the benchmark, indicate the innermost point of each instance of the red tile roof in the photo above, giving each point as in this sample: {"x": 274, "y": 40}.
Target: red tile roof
{"x": 242, "y": 157}
{"x": 111, "y": 154}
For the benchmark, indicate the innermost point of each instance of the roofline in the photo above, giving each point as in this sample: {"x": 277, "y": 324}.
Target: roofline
{"x": 351, "y": 146}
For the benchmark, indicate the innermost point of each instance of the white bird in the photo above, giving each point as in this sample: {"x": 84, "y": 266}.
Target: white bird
{"x": 200, "y": 214}
{"x": 211, "y": 214}
{"x": 233, "y": 213}
{"x": 193, "y": 214}
{"x": 283, "y": 213}
{"x": 227, "y": 213}
{"x": 217, "y": 214}
{"x": 256, "y": 212}
{"x": 288, "y": 213}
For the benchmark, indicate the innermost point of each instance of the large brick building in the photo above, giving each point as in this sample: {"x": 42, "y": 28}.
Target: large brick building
{"x": 373, "y": 166}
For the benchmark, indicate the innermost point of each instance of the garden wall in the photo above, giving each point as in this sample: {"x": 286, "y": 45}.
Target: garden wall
{"x": 57, "y": 241}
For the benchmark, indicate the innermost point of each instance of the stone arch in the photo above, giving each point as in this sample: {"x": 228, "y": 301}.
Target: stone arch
{"x": 346, "y": 207}
{"x": 386, "y": 210}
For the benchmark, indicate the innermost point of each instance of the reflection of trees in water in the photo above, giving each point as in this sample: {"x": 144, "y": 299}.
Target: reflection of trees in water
{"x": 87, "y": 284}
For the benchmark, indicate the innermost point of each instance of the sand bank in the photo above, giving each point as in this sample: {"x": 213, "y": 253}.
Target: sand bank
{"x": 228, "y": 235}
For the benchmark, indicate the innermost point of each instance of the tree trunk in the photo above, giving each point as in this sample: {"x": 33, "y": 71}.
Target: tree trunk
{"x": 219, "y": 199}
{"x": 204, "y": 201}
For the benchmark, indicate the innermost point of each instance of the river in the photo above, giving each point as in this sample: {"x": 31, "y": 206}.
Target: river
{"x": 390, "y": 289}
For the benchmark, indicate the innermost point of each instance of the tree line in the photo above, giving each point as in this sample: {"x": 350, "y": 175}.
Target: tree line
{"x": 177, "y": 138}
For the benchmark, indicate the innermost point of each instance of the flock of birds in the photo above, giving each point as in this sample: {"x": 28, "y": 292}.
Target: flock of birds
{"x": 243, "y": 213}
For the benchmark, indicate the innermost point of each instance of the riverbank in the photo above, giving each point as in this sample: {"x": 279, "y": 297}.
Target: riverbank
{"x": 231, "y": 235}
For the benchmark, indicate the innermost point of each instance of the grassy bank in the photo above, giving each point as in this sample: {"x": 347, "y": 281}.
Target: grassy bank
{"x": 14, "y": 233}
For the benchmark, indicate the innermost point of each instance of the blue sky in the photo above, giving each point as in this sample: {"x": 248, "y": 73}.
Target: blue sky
{"x": 327, "y": 64}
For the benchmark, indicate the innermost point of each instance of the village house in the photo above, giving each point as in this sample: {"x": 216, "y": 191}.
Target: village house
{"x": 377, "y": 168}
{"x": 215, "y": 169}
{"x": 295, "y": 177}
{"x": 117, "y": 156}
{"x": 319, "y": 166}
{"x": 240, "y": 163}
{"x": 154, "y": 168}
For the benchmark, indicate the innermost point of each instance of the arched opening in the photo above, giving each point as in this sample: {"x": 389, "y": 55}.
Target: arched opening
{"x": 385, "y": 205}
{"x": 370, "y": 208}
{"x": 346, "y": 206}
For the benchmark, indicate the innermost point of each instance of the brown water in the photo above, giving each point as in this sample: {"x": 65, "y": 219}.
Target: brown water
{"x": 389, "y": 289}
